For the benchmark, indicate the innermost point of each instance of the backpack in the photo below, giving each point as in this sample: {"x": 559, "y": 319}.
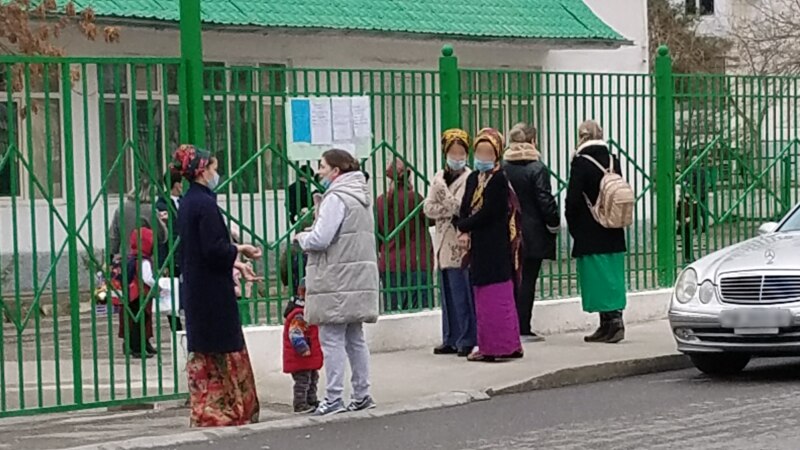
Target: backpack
{"x": 615, "y": 201}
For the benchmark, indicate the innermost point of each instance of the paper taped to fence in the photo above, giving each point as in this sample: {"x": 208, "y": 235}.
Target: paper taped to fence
{"x": 316, "y": 124}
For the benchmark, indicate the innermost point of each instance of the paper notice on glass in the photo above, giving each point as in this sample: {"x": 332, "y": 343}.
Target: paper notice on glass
{"x": 362, "y": 117}
{"x": 321, "y": 128}
{"x": 346, "y": 146}
{"x": 342, "y": 119}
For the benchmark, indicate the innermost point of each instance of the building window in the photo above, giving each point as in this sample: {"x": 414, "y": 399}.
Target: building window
{"x": 703, "y": 7}
{"x": 499, "y": 100}
{"x": 30, "y": 127}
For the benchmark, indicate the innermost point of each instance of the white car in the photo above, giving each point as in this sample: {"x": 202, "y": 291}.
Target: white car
{"x": 742, "y": 301}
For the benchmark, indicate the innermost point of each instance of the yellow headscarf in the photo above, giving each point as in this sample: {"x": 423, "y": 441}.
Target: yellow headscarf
{"x": 454, "y": 136}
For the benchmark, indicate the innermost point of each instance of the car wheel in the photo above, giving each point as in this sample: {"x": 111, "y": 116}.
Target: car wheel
{"x": 720, "y": 364}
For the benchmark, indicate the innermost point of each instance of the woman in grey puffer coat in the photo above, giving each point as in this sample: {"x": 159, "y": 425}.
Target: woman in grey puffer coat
{"x": 342, "y": 279}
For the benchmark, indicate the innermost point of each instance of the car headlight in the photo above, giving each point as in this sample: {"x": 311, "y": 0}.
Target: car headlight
{"x": 707, "y": 292}
{"x": 686, "y": 288}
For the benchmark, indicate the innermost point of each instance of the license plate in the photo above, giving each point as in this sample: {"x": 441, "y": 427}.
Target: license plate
{"x": 744, "y": 318}
{"x": 756, "y": 331}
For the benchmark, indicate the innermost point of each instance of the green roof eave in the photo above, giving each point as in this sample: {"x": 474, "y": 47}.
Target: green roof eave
{"x": 557, "y": 21}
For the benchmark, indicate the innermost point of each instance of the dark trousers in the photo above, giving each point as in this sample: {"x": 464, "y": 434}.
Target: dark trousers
{"x": 305, "y": 387}
{"x": 459, "y": 329}
{"x": 175, "y": 323}
{"x": 526, "y": 291}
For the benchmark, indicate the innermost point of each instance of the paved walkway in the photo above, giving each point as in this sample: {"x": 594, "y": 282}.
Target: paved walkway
{"x": 400, "y": 380}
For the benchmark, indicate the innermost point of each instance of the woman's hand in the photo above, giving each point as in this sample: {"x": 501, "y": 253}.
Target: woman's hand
{"x": 464, "y": 241}
{"x": 247, "y": 272}
{"x": 249, "y": 251}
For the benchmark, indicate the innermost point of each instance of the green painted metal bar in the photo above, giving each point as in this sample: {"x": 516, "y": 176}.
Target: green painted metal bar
{"x": 72, "y": 240}
{"x": 665, "y": 169}
{"x": 191, "y": 33}
{"x": 449, "y": 89}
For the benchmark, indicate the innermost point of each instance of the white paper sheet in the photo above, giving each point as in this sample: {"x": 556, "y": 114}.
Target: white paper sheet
{"x": 362, "y": 117}
{"x": 321, "y": 127}
{"x": 342, "y": 119}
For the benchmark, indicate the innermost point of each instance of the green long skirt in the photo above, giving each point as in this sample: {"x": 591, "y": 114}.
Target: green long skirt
{"x": 602, "y": 282}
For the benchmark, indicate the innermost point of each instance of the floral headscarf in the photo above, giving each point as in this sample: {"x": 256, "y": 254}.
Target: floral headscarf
{"x": 494, "y": 138}
{"x": 454, "y": 136}
{"x": 190, "y": 161}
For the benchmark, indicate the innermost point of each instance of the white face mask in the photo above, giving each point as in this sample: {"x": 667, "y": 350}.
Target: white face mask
{"x": 213, "y": 182}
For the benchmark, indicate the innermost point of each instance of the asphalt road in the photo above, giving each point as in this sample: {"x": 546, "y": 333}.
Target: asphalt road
{"x": 758, "y": 410}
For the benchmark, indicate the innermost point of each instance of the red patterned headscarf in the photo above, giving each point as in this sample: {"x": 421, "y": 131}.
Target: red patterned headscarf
{"x": 191, "y": 161}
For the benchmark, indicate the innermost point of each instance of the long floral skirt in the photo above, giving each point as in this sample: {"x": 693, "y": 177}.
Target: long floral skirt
{"x": 222, "y": 390}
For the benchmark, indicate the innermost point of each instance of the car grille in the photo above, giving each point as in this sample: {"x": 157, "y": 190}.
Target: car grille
{"x": 760, "y": 289}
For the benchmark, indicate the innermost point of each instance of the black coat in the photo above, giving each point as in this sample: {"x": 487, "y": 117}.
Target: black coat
{"x": 531, "y": 181}
{"x": 590, "y": 238}
{"x": 166, "y": 204}
{"x": 207, "y": 258}
{"x": 490, "y": 252}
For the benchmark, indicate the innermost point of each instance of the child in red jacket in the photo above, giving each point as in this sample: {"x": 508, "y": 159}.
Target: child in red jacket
{"x": 302, "y": 354}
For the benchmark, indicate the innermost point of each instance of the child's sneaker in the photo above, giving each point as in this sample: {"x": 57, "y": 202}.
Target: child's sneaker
{"x": 362, "y": 405}
{"x": 327, "y": 408}
{"x": 303, "y": 409}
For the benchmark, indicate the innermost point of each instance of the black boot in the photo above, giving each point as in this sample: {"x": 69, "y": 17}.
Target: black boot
{"x": 616, "y": 328}
{"x": 601, "y": 333}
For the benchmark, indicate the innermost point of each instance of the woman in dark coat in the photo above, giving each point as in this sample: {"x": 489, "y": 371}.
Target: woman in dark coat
{"x": 490, "y": 214}
{"x": 600, "y": 251}
{"x": 540, "y": 217}
{"x": 221, "y": 384}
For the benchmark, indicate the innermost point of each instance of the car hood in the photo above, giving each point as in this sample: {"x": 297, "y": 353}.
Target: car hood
{"x": 777, "y": 251}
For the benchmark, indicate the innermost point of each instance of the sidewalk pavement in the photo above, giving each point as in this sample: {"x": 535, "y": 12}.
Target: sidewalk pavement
{"x": 402, "y": 381}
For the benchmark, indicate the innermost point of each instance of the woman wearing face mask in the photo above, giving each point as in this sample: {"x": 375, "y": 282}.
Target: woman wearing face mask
{"x": 442, "y": 205}
{"x": 342, "y": 279}
{"x": 490, "y": 221}
{"x": 221, "y": 384}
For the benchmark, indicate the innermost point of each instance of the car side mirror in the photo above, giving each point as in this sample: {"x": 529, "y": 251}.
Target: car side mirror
{"x": 767, "y": 228}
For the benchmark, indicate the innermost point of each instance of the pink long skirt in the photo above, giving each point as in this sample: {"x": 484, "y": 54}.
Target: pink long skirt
{"x": 498, "y": 325}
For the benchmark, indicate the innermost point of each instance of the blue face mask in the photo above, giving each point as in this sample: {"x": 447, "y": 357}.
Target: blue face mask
{"x": 214, "y": 182}
{"x": 456, "y": 165}
{"x": 483, "y": 166}
{"x": 325, "y": 183}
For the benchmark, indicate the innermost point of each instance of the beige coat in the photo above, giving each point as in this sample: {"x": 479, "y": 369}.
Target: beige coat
{"x": 442, "y": 204}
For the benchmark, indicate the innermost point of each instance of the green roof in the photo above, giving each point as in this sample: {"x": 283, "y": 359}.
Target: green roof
{"x": 477, "y": 19}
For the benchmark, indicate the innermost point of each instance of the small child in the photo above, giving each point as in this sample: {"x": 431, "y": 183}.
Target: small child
{"x": 139, "y": 250}
{"x": 302, "y": 354}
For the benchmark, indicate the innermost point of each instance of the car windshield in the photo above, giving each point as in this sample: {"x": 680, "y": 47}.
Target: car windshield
{"x": 792, "y": 222}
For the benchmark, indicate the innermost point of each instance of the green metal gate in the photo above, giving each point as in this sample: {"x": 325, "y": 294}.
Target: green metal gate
{"x": 78, "y": 138}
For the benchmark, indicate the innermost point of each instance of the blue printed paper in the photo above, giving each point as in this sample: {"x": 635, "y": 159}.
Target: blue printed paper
{"x": 301, "y": 120}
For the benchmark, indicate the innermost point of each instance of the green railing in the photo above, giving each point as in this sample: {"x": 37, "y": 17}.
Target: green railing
{"x": 81, "y": 137}
{"x": 77, "y": 135}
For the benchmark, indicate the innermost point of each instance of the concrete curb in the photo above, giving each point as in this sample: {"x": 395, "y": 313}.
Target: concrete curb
{"x": 561, "y": 378}
{"x": 596, "y": 372}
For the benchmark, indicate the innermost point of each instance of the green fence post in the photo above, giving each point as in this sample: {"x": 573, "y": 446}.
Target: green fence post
{"x": 665, "y": 168}
{"x": 192, "y": 54}
{"x": 449, "y": 89}
{"x": 72, "y": 238}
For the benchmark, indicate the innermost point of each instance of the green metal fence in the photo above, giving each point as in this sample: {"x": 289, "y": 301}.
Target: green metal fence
{"x": 85, "y": 143}
{"x": 79, "y": 135}
{"x": 736, "y": 144}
